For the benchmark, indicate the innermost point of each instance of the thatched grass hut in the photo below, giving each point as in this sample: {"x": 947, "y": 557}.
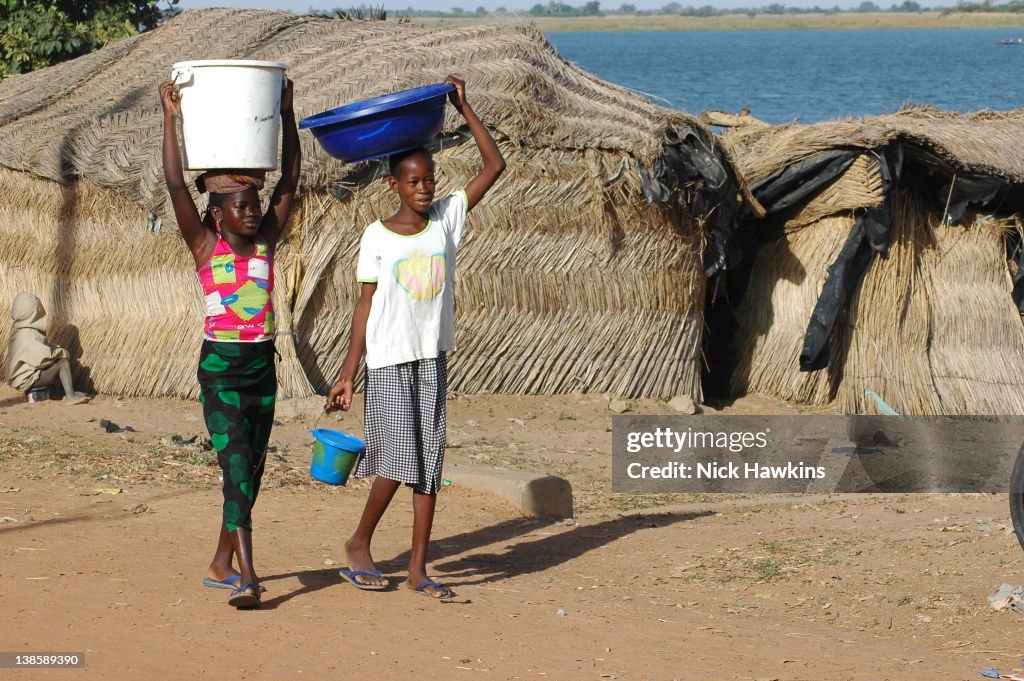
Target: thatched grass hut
{"x": 581, "y": 269}
{"x": 887, "y": 262}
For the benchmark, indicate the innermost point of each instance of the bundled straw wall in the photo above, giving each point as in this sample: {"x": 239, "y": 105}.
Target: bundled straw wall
{"x": 933, "y": 329}
{"x": 123, "y": 299}
{"x": 568, "y": 279}
{"x": 572, "y": 290}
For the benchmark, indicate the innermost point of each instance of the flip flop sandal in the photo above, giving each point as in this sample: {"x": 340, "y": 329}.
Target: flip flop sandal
{"x": 351, "y": 575}
{"x": 240, "y": 599}
{"x": 226, "y": 583}
{"x": 439, "y": 588}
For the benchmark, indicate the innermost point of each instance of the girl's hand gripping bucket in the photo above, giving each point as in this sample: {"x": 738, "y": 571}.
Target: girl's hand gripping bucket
{"x": 335, "y": 455}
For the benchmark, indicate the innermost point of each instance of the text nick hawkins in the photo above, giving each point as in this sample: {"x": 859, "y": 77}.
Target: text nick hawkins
{"x": 676, "y": 470}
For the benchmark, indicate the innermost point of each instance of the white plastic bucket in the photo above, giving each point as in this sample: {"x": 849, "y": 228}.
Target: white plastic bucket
{"x": 229, "y": 112}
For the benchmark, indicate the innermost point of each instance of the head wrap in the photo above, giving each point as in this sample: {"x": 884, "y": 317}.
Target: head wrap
{"x": 28, "y": 313}
{"x": 230, "y": 181}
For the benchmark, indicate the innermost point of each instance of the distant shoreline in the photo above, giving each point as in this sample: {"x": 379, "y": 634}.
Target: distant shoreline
{"x": 1013, "y": 23}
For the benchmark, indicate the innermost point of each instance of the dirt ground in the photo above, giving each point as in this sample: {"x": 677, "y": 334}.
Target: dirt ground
{"x": 106, "y": 536}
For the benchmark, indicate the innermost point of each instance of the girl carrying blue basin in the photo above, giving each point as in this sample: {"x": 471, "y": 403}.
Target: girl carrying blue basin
{"x": 233, "y": 247}
{"x": 404, "y": 322}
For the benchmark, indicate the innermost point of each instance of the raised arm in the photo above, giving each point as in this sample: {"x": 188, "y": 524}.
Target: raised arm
{"x": 340, "y": 394}
{"x": 494, "y": 162}
{"x": 198, "y": 237}
{"x": 291, "y": 162}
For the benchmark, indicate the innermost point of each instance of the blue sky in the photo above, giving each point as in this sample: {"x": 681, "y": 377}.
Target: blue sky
{"x": 397, "y": 5}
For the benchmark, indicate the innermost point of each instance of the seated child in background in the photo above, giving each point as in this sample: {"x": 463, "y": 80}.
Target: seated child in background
{"x": 31, "y": 363}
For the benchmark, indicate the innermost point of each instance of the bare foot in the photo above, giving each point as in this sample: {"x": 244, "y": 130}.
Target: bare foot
{"x": 77, "y": 398}
{"x": 359, "y": 558}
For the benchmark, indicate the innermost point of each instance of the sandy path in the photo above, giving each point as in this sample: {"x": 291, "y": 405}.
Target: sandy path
{"x": 817, "y": 587}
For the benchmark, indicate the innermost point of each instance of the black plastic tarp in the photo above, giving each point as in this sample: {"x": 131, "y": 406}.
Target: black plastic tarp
{"x": 796, "y": 183}
{"x": 955, "y": 190}
{"x": 871, "y": 233}
{"x": 690, "y": 165}
{"x": 947, "y": 188}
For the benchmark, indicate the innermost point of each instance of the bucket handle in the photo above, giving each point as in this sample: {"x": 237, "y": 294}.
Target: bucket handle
{"x": 322, "y": 414}
{"x": 181, "y": 76}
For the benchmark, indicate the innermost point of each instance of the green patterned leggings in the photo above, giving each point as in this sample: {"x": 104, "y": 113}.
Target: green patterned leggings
{"x": 238, "y": 388}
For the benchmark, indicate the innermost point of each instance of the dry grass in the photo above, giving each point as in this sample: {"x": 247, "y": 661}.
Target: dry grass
{"x": 124, "y": 300}
{"x": 784, "y": 285}
{"x": 576, "y": 294}
{"x": 984, "y": 142}
{"x": 568, "y": 279}
{"x": 932, "y": 329}
{"x": 860, "y": 186}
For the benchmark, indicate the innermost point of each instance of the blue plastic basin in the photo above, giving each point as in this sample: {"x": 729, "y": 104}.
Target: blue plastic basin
{"x": 381, "y": 126}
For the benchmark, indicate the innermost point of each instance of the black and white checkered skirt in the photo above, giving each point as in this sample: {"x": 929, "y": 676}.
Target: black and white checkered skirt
{"x": 405, "y": 423}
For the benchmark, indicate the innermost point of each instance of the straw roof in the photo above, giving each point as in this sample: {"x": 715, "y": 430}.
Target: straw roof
{"x": 933, "y": 328}
{"x": 99, "y": 116}
{"x": 568, "y": 278}
{"x": 983, "y": 143}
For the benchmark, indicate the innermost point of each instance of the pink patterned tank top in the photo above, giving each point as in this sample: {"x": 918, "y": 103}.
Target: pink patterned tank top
{"x": 239, "y": 304}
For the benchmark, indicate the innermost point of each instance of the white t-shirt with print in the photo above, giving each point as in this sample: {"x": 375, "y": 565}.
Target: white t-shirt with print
{"x": 413, "y": 312}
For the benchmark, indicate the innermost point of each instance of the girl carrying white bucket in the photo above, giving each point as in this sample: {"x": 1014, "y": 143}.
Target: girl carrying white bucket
{"x": 233, "y": 248}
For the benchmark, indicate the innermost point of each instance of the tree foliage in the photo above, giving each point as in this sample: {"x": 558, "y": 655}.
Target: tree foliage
{"x": 560, "y": 9}
{"x": 38, "y": 33}
{"x": 986, "y": 6}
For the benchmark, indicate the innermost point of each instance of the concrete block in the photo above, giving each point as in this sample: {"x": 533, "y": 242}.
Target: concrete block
{"x": 546, "y": 496}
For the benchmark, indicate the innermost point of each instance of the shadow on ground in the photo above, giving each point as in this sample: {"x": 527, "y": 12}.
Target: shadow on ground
{"x": 525, "y": 557}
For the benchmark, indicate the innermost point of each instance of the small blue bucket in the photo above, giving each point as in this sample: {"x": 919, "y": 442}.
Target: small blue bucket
{"x": 334, "y": 456}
